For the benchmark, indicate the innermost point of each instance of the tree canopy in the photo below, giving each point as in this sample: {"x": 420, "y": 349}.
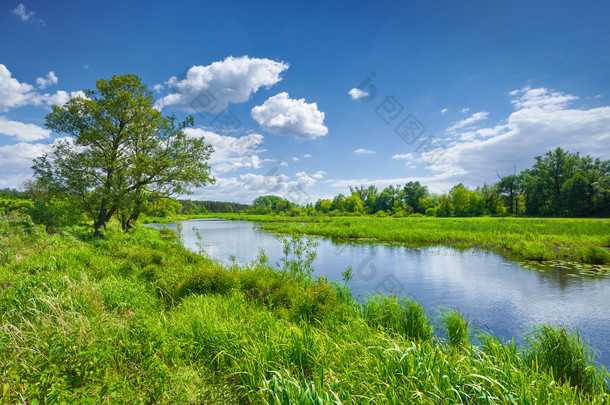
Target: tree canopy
{"x": 119, "y": 149}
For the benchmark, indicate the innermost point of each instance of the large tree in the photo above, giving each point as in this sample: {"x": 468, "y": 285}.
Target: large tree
{"x": 119, "y": 149}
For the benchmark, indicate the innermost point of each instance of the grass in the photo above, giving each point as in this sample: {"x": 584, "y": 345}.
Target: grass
{"x": 537, "y": 239}
{"x": 136, "y": 318}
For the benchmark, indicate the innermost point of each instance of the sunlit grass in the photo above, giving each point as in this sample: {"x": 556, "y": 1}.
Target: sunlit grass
{"x": 540, "y": 239}
{"x": 136, "y": 318}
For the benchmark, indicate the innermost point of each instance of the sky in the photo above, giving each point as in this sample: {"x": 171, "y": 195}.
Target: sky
{"x": 304, "y": 99}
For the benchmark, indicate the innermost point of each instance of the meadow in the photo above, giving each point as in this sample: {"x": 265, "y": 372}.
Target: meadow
{"x": 137, "y": 318}
{"x": 536, "y": 239}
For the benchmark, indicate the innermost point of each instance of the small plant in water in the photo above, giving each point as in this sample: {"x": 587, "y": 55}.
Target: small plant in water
{"x": 348, "y": 274}
{"x": 299, "y": 255}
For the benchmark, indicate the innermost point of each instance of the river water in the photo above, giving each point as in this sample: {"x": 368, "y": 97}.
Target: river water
{"x": 493, "y": 292}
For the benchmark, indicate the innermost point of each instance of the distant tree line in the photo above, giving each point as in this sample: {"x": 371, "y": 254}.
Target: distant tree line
{"x": 559, "y": 184}
{"x": 191, "y": 207}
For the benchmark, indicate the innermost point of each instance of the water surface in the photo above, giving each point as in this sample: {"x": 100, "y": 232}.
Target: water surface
{"x": 493, "y": 292}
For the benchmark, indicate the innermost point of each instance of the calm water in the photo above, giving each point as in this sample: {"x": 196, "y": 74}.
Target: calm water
{"x": 492, "y": 291}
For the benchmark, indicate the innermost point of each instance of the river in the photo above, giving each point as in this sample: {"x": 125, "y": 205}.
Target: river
{"x": 494, "y": 293}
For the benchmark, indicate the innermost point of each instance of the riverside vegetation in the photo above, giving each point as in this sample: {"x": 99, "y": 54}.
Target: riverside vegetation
{"x": 585, "y": 241}
{"x": 137, "y": 318}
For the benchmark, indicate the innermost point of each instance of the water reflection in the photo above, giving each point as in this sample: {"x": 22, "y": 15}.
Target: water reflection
{"x": 490, "y": 290}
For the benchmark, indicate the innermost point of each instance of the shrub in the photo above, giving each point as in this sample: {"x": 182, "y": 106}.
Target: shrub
{"x": 210, "y": 280}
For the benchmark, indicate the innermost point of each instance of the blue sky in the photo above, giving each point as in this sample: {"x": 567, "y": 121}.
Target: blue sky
{"x": 312, "y": 97}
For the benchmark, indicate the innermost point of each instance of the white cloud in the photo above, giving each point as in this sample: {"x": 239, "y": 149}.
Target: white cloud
{"x": 465, "y": 110}
{"x": 362, "y": 151}
{"x": 246, "y": 187}
{"x": 16, "y": 94}
{"x": 157, "y": 87}
{"x": 25, "y": 15}
{"x": 357, "y": 94}
{"x": 476, "y": 117}
{"x": 306, "y": 156}
{"x": 23, "y": 132}
{"x": 49, "y": 80}
{"x": 13, "y": 93}
{"x": 542, "y": 121}
{"x": 61, "y": 97}
{"x": 231, "y": 153}
{"x": 437, "y": 183}
{"x": 444, "y": 111}
{"x": 213, "y": 87}
{"x": 295, "y": 159}
{"x": 16, "y": 162}
{"x": 408, "y": 156}
{"x": 319, "y": 174}
{"x": 282, "y": 164}
{"x": 541, "y": 98}
{"x": 282, "y": 115}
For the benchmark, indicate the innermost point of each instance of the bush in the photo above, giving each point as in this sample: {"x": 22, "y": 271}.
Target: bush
{"x": 210, "y": 280}
{"x": 315, "y": 302}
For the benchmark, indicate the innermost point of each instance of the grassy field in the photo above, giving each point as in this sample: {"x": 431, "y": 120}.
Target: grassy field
{"x": 539, "y": 239}
{"x": 136, "y": 318}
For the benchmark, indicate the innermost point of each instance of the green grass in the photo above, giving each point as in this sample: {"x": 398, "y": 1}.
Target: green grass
{"x": 538, "y": 239}
{"x": 136, "y": 318}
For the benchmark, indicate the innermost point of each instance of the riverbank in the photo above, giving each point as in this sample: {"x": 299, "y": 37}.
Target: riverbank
{"x": 536, "y": 239}
{"x": 137, "y": 318}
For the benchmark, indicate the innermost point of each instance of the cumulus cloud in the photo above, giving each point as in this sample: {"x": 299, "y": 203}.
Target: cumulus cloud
{"x": 543, "y": 120}
{"x": 362, "y": 151}
{"x": 157, "y": 87}
{"x": 61, "y": 97}
{"x": 306, "y": 156}
{"x": 43, "y": 82}
{"x": 16, "y": 161}
{"x": 282, "y": 115}
{"x": 246, "y": 187}
{"x": 282, "y": 164}
{"x": 21, "y": 131}
{"x": 444, "y": 111}
{"x": 15, "y": 94}
{"x": 357, "y": 94}
{"x": 319, "y": 174}
{"x": 231, "y": 153}
{"x": 465, "y": 110}
{"x": 211, "y": 88}
{"x": 12, "y": 92}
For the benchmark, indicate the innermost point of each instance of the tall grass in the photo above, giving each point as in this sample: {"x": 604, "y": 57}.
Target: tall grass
{"x": 580, "y": 240}
{"x": 565, "y": 356}
{"x": 136, "y": 318}
{"x": 457, "y": 329}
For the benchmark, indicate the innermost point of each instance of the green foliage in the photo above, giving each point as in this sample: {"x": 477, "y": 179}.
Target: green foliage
{"x": 212, "y": 280}
{"x": 559, "y": 184}
{"x": 396, "y": 315}
{"x": 457, "y": 329}
{"x": 566, "y": 357}
{"x": 94, "y": 321}
{"x": 123, "y": 150}
{"x": 299, "y": 255}
{"x": 580, "y": 240}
